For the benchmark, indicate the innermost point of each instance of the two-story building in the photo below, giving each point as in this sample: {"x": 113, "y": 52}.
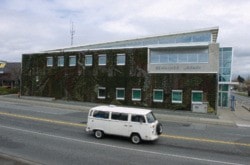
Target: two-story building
{"x": 173, "y": 71}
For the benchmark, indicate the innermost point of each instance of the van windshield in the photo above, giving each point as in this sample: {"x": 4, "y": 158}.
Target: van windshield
{"x": 150, "y": 117}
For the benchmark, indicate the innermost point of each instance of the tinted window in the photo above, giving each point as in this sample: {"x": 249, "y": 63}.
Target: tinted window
{"x": 101, "y": 114}
{"x": 138, "y": 118}
{"x": 119, "y": 116}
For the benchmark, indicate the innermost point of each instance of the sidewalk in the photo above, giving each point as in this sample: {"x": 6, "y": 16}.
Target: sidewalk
{"x": 240, "y": 117}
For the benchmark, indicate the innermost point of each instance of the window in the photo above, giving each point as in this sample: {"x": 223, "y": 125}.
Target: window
{"x": 197, "y": 96}
{"x": 120, "y": 93}
{"x": 120, "y": 59}
{"x": 101, "y": 93}
{"x": 102, "y": 59}
{"x": 136, "y": 94}
{"x": 119, "y": 116}
{"x": 88, "y": 60}
{"x": 158, "y": 95}
{"x": 49, "y": 61}
{"x": 138, "y": 118}
{"x": 60, "y": 61}
{"x": 72, "y": 60}
{"x": 101, "y": 114}
{"x": 151, "y": 117}
{"x": 176, "y": 96}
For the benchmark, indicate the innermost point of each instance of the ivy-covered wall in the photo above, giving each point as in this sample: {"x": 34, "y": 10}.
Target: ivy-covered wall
{"x": 81, "y": 82}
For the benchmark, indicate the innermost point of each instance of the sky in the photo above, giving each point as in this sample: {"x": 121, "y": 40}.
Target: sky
{"x": 35, "y": 25}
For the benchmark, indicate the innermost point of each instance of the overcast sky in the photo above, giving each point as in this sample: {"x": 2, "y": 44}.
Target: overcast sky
{"x": 34, "y": 25}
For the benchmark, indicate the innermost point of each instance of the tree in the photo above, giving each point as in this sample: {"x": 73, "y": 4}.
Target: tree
{"x": 240, "y": 79}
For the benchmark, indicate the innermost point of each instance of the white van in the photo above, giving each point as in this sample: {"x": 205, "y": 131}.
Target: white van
{"x": 137, "y": 124}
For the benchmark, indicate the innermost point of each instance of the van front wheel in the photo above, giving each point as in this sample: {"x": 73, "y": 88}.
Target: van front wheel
{"x": 98, "y": 134}
{"x": 135, "y": 138}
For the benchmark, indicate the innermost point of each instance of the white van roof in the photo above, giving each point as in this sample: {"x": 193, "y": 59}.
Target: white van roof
{"x": 113, "y": 108}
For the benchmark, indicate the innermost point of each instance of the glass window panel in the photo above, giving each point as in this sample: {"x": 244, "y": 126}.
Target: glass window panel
{"x": 88, "y": 60}
{"x": 60, "y": 61}
{"x": 164, "y": 59}
{"x": 226, "y": 63}
{"x": 202, "y": 37}
{"x": 227, "y": 55}
{"x": 173, "y": 58}
{"x": 101, "y": 114}
{"x": 197, "y": 96}
{"x": 158, "y": 95}
{"x": 203, "y": 57}
{"x": 72, "y": 61}
{"x": 49, "y": 61}
{"x": 226, "y": 71}
{"x": 177, "y": 96}
{"x": 136, "y": 94}
{"x": 101, "y": 92}
{"x": 154, "y": 59}
{"x": 120, "y": 93}
{"x": 225, "y": 87}
{"x": 120, "y": 59}
{"x": 192, "y": 58}
{"x": 102, "y": 59}
{"x": 183, "y": 58}
{"x": 119, "y": 116}
{"x": 183, "y": 39}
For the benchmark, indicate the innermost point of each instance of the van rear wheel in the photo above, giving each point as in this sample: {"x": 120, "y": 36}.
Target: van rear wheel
{"x": 135, "y": 138}
{"x": 98, "y": 134}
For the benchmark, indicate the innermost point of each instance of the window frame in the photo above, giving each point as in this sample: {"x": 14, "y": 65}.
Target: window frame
{"x": 59, "y": 60}
{"x": 99, "y": 57}
{"x": 85, "y": 61}
{"x": 177, "y": 101}
{"x": 48, "y": 61}
{"x": 70, "y": 58}
{"x": 197, "y": 91}
{"x": 120, "y": 98}
{"x": 101, "y": 97}
{"x": 133, "y": 98}
{"x": 157, "y": 100}
{"x": 120, "y": 63}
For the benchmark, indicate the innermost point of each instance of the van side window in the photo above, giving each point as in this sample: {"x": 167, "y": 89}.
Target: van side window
{"x": 101, "y": 114}
{"x": 138, "y": 118}
{"x": 119, "y": 116}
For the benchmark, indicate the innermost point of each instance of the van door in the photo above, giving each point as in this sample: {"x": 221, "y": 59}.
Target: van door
{"x": 139, "y": 125}
{"x": 119, "y": 124}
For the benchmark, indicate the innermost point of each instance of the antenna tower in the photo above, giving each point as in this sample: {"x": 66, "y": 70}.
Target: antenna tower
{"x": 72, "y": 32}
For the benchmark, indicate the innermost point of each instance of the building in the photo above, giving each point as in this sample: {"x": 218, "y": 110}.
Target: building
{"x": 173, "y": 71}
{"x": 10, "y": 73}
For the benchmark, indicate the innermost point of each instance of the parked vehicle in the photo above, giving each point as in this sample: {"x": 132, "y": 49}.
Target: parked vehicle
{"x": 137, "y": 124}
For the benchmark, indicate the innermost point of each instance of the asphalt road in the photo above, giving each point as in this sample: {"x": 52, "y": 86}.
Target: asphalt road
{"x": 50, "y": 135}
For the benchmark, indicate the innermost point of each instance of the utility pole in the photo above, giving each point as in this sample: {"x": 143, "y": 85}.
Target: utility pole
{"x": 72, "y": 32}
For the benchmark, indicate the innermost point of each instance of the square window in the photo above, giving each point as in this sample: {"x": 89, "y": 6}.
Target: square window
{"x": 158, "y": 95}
{"x": 88, "y": 60}
{"x": 72, "y": 60}
{"x": 102, "y": 59}
{"x": 49, "y": 61}
{"x": 121, "y": 58}
{"x": 136, "y": 94}
{"x": 176, "y": 96}
{"x": 197, "y": 96}
{"x": 120, "y": 93}
{"x": 60, "y": 61}
{"x": 101, "y": 93}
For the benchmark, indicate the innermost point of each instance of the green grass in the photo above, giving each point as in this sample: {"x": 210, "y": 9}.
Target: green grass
{"x": 5, "y": 91}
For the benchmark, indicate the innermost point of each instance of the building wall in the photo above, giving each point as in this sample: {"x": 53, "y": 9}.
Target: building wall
{"x": 84, "y": 83}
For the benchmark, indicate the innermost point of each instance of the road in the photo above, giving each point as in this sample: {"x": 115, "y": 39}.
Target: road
{"x": 51, "y": 135}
